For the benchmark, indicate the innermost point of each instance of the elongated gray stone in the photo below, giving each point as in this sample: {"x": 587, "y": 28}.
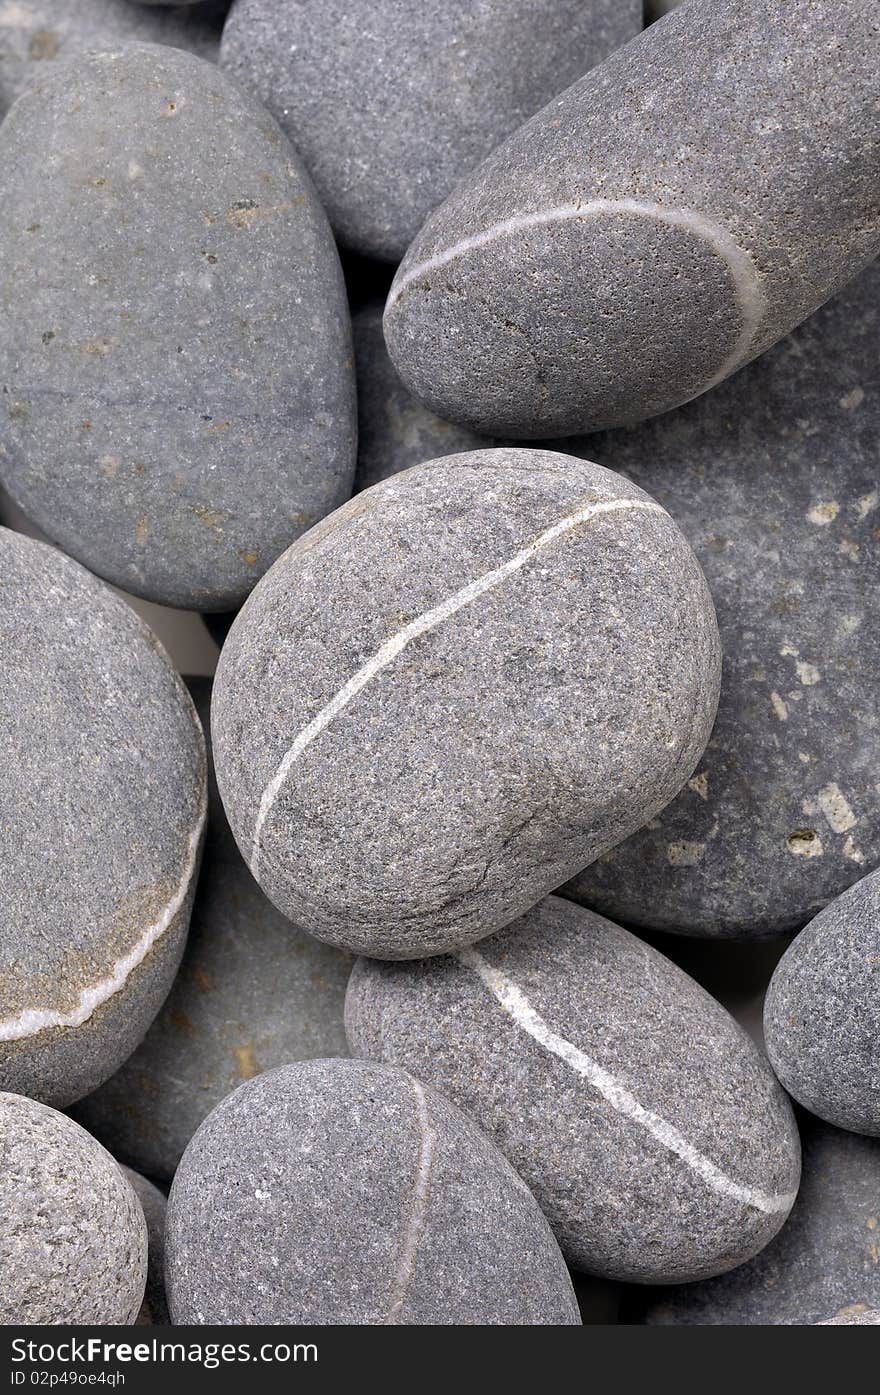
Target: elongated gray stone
{"x": 664, "y": 221}
{"x": 464, "y": 684}
{"x": 390, "y": 105}
{"x": 344, "y": 1192}
{"x": 648, "y": 1125}
{"x": 178, "y": 395}
{"x": 73, "y": 1242}
{"x": 774, "y": 481}
{"x": 101, "y": 816}
{"x": 154, "y": 1309}
{"x": 822, "y": 1264}
{"x": 253, "y": 992}
{"x": 822, "y": 1012}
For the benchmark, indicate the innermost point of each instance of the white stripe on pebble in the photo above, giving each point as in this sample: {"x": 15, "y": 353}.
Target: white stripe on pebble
{"x": 427, "y": 621}
{"x": 517, "y": 1007}
{"x": 419, "y": 1209}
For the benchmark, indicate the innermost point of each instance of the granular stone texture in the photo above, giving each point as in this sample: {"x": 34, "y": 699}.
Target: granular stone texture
{"x": 822, "y": 1264}
{"x": 101, "y": 818}
{"x": 854, "y": 1319}
{"x": 649, "y": 1127}
{"x": 822, "y": 1013}
{"x": 73, "y": 1242}
{"x": 178, "y": 394}
{"x": 773, "y": 478}
{"x": 154, "y": 1309}
{"x": 462, "y": 686}
{"x": 339, "y": 1192}
{"x": 253, "y": 991}
{"x": 664, "y": 221}
{"x": 391, "y": 104}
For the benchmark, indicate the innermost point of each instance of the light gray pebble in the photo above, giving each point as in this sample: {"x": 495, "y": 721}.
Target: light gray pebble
{"x": 101, "y": 819}
{"x": 519, "y": 647}
{"x": 339, "y": 1192}
{"x": 661, "y": 223}
{"x": 650, "y": 1128}
{"x": 195, "y": 319}
{"x": 822, "y": 1013}
{"x": 154, "y": 1309}
{"x": 73, "y": 1242}
{"x": 390, "y": 105}
{"x": 853, "y": 1319}
{"x": 253, "y": 991}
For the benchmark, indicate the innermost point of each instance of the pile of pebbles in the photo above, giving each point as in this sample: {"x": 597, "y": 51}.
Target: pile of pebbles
{"x": 494, "y": 938}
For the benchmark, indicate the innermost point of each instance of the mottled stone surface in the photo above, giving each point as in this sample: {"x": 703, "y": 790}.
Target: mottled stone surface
{"x": 344, "y": 1192}
{"x": 154, "y": 1309}
{"x": 73, "y": 1242}
{"x": 253, "y": 992}
{"x": 647, "y": 1124}
{"x": 854, "y": 1319}
{"x": 823, "y": 1263}
{"x": 101, "y": 817}
{"x": 774, "y": 480}
{"x": 822, "y": 1014}
{"x": 391, "y": 104}
{"x": 178, "y": 394}
{"x": 665, "y": 220}
{"x": 473, "y": 677}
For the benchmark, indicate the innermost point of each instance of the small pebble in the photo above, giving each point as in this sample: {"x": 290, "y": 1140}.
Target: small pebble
{"x": 154, "y": 1309}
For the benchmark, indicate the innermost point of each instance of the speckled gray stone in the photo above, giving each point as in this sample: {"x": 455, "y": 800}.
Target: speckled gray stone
{"x": 391, "y": 104}
{"x": 73, "y": 1242}
{"x": 822, "y": 1013}
{"x": 154, "y": 1309}
{"x": 101, "y": 817}
{"x": 253, "y": 992}
{"x": 774, "y": 481}
{"x": 854, "y": 1319}
{"x": 473, "y": 677}
{"x": 650, "y": 1128}
{"x": 344, "y": 1192}
{"x": 178, "y": 395}
{"x": 824, "y": 1262}
{"x": 37, "y": 33}
{"x": 662, "y": 222}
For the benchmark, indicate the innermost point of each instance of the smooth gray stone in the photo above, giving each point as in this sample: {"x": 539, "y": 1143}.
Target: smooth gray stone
{"x": 648, "y": 1125}
{"x": 822, "y": 1012}
{"x": 338, "y": 1192}
{"x": 179, "y": 392}
{"x": 253, "y": 991}
{"x": 73, "y": 1241}
{"x": 154, "y": 1309}
{"x": 460, "y": 687}
{"x": 774, "y": 481}
{"x": 664, "y": 221}
{"x": 390, "y": 105}
{"x": 101, "y": 816}
{"x": 824, "y": 1262}
{"x": 34, "y": 33}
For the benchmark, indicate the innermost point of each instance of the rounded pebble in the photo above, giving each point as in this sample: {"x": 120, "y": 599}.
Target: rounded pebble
{"x": 154, "y": 1309}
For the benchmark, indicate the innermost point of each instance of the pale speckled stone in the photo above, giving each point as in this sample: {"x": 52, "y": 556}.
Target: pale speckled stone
{"x": 532, "y": 724}
{"x": 154, "y": 1309}
{"x": 661, "y": 223}
{"x": 854, "y": 1319}
{"x": 73, "y": 1242}
{"x": 339, "y": 1192}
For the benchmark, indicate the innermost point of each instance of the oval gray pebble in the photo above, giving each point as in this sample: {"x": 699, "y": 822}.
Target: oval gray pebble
{"x": 665, "y": 220}
{"x": 822, "y": 1012}
{"x": 101, "y": 824}
{"x": 195, "y": 318}
{"x": 390, "y": 105}
{"x": 154, "y": 1309}
{"x": 520, "y": 647}
{"x": 343, "y": 1192}
{"x": 73, "y": 1242}
{"x": 648, "y": 1125}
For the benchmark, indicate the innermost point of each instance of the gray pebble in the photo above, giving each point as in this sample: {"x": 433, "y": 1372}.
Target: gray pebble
{"x": 647, "y": 1124}
{"x": 520, "y": 647}
{"x": 195, "y": 319}
{"x": 661, "y": 223}
{"x": 154, "y": 1309}
{"x": 343, "y": 1192}
{"x": 101, "y": 820}
{"x": 853, "y": 1319}
{"x": 253, "y": 992}
{"x": 774, "y": 481}
{"x": 822, "y": 1013}
{"x": 73, "y": 1243}
{"x": 824, "y": 1262}
{"x": 390, "y": 105}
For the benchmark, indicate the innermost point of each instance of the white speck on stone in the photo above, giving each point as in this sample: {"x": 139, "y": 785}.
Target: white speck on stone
{"x": 779, "y": 706}
{"x": 836, "y": 809}
{"x": 867, "y": 503}
{"x": 808, "y": 674}
{"x": 853, "y": 399}
{"x": 684, "y": 854}
{"x": 850, "y": 549}
{"x": 849, "y": 623}
{"x": 823, "y": 514}
{"x": 851, "y": 851}
{"x": 700, "y": 784}
{"x": 805, "y": 842}
{"x": 135, "y": 171}
{"x": 262, "y": 1196}
{"x": 788, "y": 650}
{"x": 804, "y": 757}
